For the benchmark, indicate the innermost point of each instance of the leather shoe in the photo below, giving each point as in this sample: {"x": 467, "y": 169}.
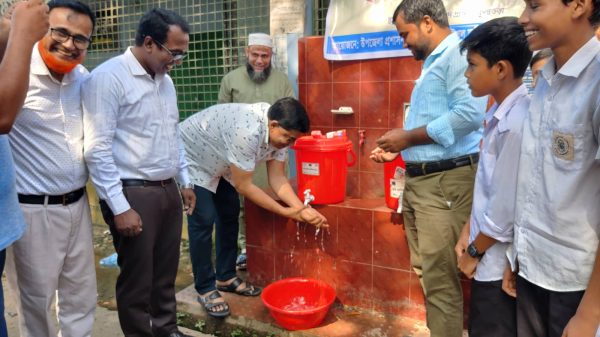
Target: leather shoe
{"x": 178, "y": 334}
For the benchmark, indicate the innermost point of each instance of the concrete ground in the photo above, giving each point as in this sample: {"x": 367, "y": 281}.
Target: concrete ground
{"x": 106, "y": 324}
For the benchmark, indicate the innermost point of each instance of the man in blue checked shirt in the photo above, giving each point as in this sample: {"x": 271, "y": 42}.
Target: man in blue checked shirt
{"x": 440, "y": 145}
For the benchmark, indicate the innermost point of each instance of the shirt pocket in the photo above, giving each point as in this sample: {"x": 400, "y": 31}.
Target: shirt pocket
{"x": 568, "y": 145}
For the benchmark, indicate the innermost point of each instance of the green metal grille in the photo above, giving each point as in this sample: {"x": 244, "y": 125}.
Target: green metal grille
{"x": 319, "y": 16}
{"x": 219, "y": 31}
{"x": 5, "y": 4}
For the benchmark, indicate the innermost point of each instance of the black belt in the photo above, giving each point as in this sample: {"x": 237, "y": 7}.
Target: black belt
{"x": 64, "y": 199}
{"x": 421, "y": 169}
{"x": 145, "y": 183}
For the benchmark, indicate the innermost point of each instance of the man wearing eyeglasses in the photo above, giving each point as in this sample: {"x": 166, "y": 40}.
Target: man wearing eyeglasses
{"x": 55, "y": 256}
{"x": 134, "y": 153}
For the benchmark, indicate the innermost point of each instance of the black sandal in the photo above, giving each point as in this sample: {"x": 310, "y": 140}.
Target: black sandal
{"x": 209, "y": 306}
{"x": 249, "y": 290}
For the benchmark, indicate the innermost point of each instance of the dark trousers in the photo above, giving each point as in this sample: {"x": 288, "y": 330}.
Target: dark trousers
{"x": 493, "y": 312}
{"x": 221, "y": 209}
{"x": 542, "y": 312}
{"x": 3, "y": 332}
{"x": 148, "y": 262}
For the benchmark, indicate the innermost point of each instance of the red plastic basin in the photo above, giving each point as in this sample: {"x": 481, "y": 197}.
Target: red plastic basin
{"x": 298, "y": 303}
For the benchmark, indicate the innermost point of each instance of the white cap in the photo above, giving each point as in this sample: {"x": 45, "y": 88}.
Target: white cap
{"x": 260, "y": 39}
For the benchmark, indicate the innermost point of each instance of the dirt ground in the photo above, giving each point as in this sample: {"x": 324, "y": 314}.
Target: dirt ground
{"x": 107, "y": 322}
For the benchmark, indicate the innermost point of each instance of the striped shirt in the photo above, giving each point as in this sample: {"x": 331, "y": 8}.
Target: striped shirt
{"x": 442, "y": 101}
{"x": 130, "y": 124}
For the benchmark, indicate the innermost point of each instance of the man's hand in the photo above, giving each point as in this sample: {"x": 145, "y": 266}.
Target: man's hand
{"x": 394, "y": 141}
{"x": 467, "y": 265}
{"x": 509, "y": 281}
{"x": 581, "y": 325}
{"x": 380, "y": 156}
{"x": 128, "y": 223}
{"x": 189, "y": 200}
{"x": 29, "y": 20}
{"x": 306, "y": 214}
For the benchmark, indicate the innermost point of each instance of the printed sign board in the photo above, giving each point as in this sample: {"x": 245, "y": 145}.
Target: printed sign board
{"x": 363, "y": 29}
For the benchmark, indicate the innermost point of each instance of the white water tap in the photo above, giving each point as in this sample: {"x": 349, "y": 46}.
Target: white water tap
{"x": 308, "y": 198}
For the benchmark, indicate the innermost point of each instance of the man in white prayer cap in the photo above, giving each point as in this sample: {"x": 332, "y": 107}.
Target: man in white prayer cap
{"x": 256, "y": 81}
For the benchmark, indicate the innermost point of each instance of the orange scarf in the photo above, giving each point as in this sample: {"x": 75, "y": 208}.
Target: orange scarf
{"x": 54, "y": 63}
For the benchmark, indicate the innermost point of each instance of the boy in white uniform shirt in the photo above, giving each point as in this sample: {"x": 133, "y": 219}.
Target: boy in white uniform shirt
{"x": 557, "y": 221}
{"x": 498, "y": 55}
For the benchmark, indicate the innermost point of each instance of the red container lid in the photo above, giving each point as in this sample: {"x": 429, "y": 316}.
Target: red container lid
{"x": 321, "y": 143}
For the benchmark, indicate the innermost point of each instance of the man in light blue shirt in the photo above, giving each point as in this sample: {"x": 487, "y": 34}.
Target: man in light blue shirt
{"x": 440, "y": 145}
{"x": 29, "y": 24}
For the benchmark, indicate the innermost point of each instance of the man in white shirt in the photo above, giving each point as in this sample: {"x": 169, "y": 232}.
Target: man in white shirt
{"x": 55, "y": 256}
{"x": 224, "y": 143}
{"x": 134, "y": 152}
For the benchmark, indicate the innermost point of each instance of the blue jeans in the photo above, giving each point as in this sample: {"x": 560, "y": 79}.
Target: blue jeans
{"x": 221, "y": 209}
{"x": 3, "y": 332}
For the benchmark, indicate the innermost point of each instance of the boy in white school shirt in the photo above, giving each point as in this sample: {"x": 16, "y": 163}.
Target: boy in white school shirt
{"x": 557, "y": 221}
{"x": 498, "y": 55}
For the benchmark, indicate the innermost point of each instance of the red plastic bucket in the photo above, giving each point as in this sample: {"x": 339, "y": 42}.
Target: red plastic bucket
{"x": 393, "y": 175}
{"x": 322, "y": 166}
{"x": 298, "y": 303}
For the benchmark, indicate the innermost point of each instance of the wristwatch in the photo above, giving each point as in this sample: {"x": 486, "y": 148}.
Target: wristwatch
{"x": 188, "y": 185}
{"x": 473, "y": 252}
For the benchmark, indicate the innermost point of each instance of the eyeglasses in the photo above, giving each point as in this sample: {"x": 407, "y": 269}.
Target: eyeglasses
{"x": 177, "y": 56}
{"x": 61, "y": 35}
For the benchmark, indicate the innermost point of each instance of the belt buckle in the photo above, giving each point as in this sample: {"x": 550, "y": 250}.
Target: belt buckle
{"x": 64, "y": 199}
{"x": 163, "y": 183}
{"x": 423, "y": 165}
{"x": 472, "y": 159}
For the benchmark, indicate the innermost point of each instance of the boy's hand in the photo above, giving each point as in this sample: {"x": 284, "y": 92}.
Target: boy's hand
{"x": 581, "y": 326}
{"x": 509, "y": 281}
{"x": 380, "y": 156}
{"x": 29, "y": 20}
{"x": 463, "y": 241}
{"x": 467, "y": 265}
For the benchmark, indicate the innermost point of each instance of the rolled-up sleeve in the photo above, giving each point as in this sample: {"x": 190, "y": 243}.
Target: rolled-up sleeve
{"x": 100, "y": 97}
{"x": 465, "y": 111}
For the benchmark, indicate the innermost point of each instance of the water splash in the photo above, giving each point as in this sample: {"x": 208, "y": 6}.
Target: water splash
{"x": 298, "y": 304}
